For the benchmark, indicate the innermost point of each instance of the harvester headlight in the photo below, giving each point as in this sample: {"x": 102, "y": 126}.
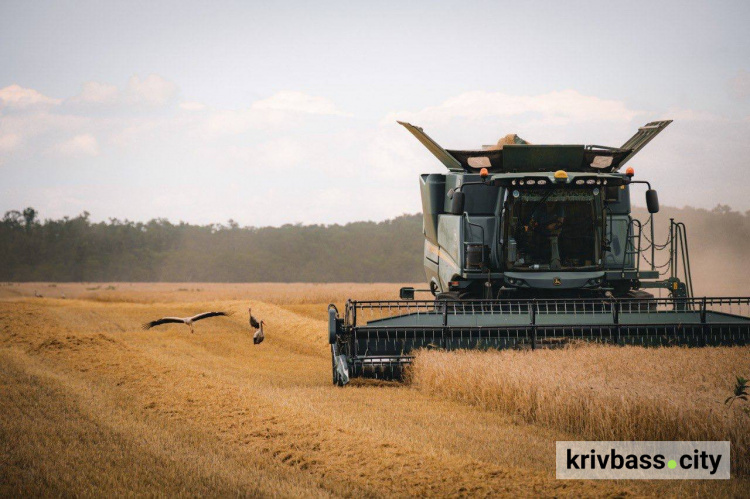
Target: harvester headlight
{"x": 516, "y": 193}
{"x": 579, "y": 181}
{"x": 542, "y": 182}
{"x": 604, "y": 181}
{"x": 598, "y": 182}
{"x": 590, "y": 181}
{"x": 521, "y": 182}
{"x": 513, "y": 182}
{"x": 531, "y": 182}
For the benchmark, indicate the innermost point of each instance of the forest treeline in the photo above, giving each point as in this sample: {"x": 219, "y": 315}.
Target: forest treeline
{"x": 78, "y": 249}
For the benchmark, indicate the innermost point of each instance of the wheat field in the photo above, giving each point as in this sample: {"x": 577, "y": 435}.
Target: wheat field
{"x": 94, "y": 405}
{"x": 602, "y": 392}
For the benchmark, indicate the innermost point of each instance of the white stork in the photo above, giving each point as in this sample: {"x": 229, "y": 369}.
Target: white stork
{"x": 259, "y": 336}
{"x": 183, "y": 320}
{"x": 253, "y": 321}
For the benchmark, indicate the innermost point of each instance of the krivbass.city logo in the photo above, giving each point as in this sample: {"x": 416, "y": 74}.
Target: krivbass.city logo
{"x": 643, "y": 460}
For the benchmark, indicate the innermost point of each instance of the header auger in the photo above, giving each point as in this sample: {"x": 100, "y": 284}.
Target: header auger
{"x": 530, "y": 246}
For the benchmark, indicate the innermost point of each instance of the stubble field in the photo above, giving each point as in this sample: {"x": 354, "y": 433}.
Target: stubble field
{"x": 93, "y": 405}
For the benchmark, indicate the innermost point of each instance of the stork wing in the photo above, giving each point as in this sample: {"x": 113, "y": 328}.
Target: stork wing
{"x": 163, "y": 320}
{"x": 254, "y": 322}
{"x": 205, "y": 315}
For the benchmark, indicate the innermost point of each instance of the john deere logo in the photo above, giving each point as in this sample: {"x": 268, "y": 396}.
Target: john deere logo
{"x": 556, "y": 281}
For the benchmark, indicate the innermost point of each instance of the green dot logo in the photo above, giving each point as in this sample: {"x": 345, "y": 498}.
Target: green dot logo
{"x": 672, "y": 464}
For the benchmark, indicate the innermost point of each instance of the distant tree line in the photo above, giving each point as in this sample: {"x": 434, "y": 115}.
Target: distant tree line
{"x": 77, "y": 249}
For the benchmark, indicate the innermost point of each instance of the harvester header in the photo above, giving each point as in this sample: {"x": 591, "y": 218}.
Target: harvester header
{"x": 531, "y": 246}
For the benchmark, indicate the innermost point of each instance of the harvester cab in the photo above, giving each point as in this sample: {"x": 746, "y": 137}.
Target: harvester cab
{"x": 534, "y": 221}
{"x": 533, "y": 245}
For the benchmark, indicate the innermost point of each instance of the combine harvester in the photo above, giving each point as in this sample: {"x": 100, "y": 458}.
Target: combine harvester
{"x": 533, "y": 246}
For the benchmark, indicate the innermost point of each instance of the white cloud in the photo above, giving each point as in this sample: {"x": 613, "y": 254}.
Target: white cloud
{"x": 80, "y": 145}
{"x": 134, "y": 132}
{"x": 17, "y": 96}
{"x": 152, "y": 90}
{"x": 739, "y": 85}
{"x": 192, "y": 106}
{"x": 94, "y": 92}
{"x": 8, "y": 142}
{"x": 278, "y": 151}
{"x": 680, "y": 115}
{"x": 276, "y": 154}
{"x": 298, "y": 102}
{"x": 553, "y": 108}
{"x": 393, "y": 154}
{"x": 282, "y": 111}
{"x": 227, "y": 122}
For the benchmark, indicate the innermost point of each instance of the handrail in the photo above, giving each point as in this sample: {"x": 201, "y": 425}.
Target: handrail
{"x": 681, "y": 247}
{"x": 630, "y": 241}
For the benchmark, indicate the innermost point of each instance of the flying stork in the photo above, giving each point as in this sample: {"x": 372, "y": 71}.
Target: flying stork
{"x": 183, "y": 320}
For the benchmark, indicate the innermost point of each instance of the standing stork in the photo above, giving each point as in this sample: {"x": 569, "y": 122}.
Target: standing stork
{"x": 259, "y": 336}
{"x": 253, "y": 321}
{"x": 258, "y": 326}
{"x": 183, "y": 320}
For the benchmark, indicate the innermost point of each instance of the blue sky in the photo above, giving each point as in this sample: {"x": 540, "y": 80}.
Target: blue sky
{"x": 272, "y": 113}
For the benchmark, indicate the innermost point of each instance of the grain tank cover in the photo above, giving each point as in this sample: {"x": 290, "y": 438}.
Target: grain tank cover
{"x": 541, "y": 158}
{"x": 516, "y": 158}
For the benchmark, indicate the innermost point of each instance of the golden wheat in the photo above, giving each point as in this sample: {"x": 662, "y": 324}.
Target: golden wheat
{"x": 92, "y": 405}
{"x": 601, "y": 392}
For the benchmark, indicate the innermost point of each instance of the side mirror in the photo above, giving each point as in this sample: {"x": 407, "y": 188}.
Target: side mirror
{"x": 457, "y": 207}
{"x": 652, "y": 201}
{"x": 406, "y": 293}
